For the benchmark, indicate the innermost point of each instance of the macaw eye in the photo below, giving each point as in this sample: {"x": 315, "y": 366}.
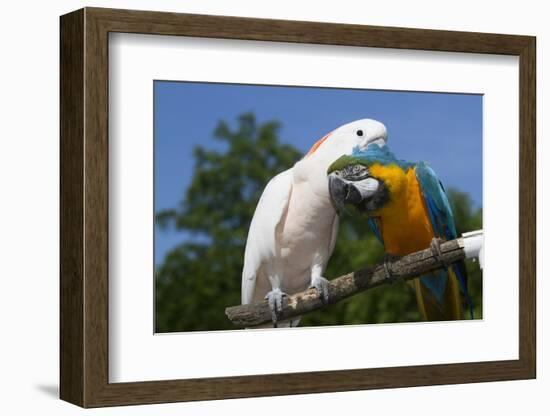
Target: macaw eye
{"x": 359, "y": 171}
{"x": 359, "y": 132}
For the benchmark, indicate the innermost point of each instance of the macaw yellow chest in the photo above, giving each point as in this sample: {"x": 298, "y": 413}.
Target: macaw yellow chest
{"x": 404, "y": 222}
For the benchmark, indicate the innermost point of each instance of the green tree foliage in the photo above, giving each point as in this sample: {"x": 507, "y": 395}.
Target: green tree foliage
{"x": 201, "y": 277}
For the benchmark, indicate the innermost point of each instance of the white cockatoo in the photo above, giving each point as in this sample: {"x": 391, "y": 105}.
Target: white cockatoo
{"x": 293, "y": 230}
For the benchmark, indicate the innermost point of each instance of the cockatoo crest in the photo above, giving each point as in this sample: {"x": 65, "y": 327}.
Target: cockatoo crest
{"x": 355, "y": 135}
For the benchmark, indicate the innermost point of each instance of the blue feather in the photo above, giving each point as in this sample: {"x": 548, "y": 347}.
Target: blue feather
{"x": 442, "y": 220}
{"x": 436, "y": 283}
{"x": 374, "y": 228}
{"x": 439, "y": 211}
{"x": 381, "y": 155}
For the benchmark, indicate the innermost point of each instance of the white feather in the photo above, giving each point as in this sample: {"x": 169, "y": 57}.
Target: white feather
{"x": 261, "y": 243}
{"x": 367, "y": 187}
{"x": 295, "y": 226}
{"x": 333, "y": 235}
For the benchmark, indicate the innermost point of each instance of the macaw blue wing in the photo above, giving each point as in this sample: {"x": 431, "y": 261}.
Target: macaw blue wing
{"x": 442, "y": 220}
{"x": 435, "y": 197}
{"x": 373, "y": 224}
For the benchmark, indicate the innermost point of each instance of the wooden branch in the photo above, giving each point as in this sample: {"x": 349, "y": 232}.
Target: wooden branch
{"x": 406, "y": 268}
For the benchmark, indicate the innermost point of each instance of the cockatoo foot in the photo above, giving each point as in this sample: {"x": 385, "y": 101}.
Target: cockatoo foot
{"x": 321, "y": 284}
{"x": 275, "y": 302}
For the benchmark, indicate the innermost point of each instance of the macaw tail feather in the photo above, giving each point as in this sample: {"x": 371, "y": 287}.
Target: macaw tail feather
{"x": 449, "y": 309}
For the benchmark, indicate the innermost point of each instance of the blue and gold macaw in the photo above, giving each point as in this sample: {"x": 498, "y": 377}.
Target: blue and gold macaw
{"x": 408, "y": 210}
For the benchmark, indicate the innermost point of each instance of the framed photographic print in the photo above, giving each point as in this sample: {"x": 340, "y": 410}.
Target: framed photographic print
{"x": 233, "y": 188}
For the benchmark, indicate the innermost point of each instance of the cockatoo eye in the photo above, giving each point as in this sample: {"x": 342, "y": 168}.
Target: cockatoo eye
{"x": 359, "y": 133}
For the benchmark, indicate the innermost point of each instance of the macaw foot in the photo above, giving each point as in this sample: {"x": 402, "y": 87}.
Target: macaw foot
{"x": 388, "y": 258}
{"x": 275, "y": 302}
{"x": 321, "y": 284}
{"x": 435, "y": 246}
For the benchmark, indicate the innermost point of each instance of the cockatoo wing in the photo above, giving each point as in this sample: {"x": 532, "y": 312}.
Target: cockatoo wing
{"x": 261, "y": 241}
{"x": 334, "y": 235}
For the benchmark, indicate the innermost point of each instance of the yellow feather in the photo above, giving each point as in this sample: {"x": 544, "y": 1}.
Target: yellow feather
{"x": 405, "y": 228}
{"x": 431, "y": 310}
{"x": 405, "y": 224}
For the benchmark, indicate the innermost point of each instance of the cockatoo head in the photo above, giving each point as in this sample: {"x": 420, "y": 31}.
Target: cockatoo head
{"x": 342, "y": 141}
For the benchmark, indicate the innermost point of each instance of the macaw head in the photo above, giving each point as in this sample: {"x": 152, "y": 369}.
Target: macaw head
{"x": 369, "y": 179}
{"x": 355, "y": 135}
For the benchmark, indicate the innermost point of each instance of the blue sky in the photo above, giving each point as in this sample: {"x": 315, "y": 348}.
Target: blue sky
{"x": 444, "y": 130}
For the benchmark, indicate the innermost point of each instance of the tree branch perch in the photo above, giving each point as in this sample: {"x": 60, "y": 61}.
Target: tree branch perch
{"x": 406, "y": 268}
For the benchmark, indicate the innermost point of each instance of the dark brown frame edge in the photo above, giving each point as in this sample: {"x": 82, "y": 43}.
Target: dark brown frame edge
{"x": 84, "y": 207}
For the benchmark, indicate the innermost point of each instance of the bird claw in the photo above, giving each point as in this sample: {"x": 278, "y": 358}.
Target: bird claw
{"x": 435, "y": 246}
{"x": 387, "y": 268}
{"x": 275, "y": 302}
{"x": 321, "y": 284}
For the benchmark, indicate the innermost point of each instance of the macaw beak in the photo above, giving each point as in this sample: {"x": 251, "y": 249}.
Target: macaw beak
{"x": 359, "y": 193}
{"x": 343, "y": 192}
